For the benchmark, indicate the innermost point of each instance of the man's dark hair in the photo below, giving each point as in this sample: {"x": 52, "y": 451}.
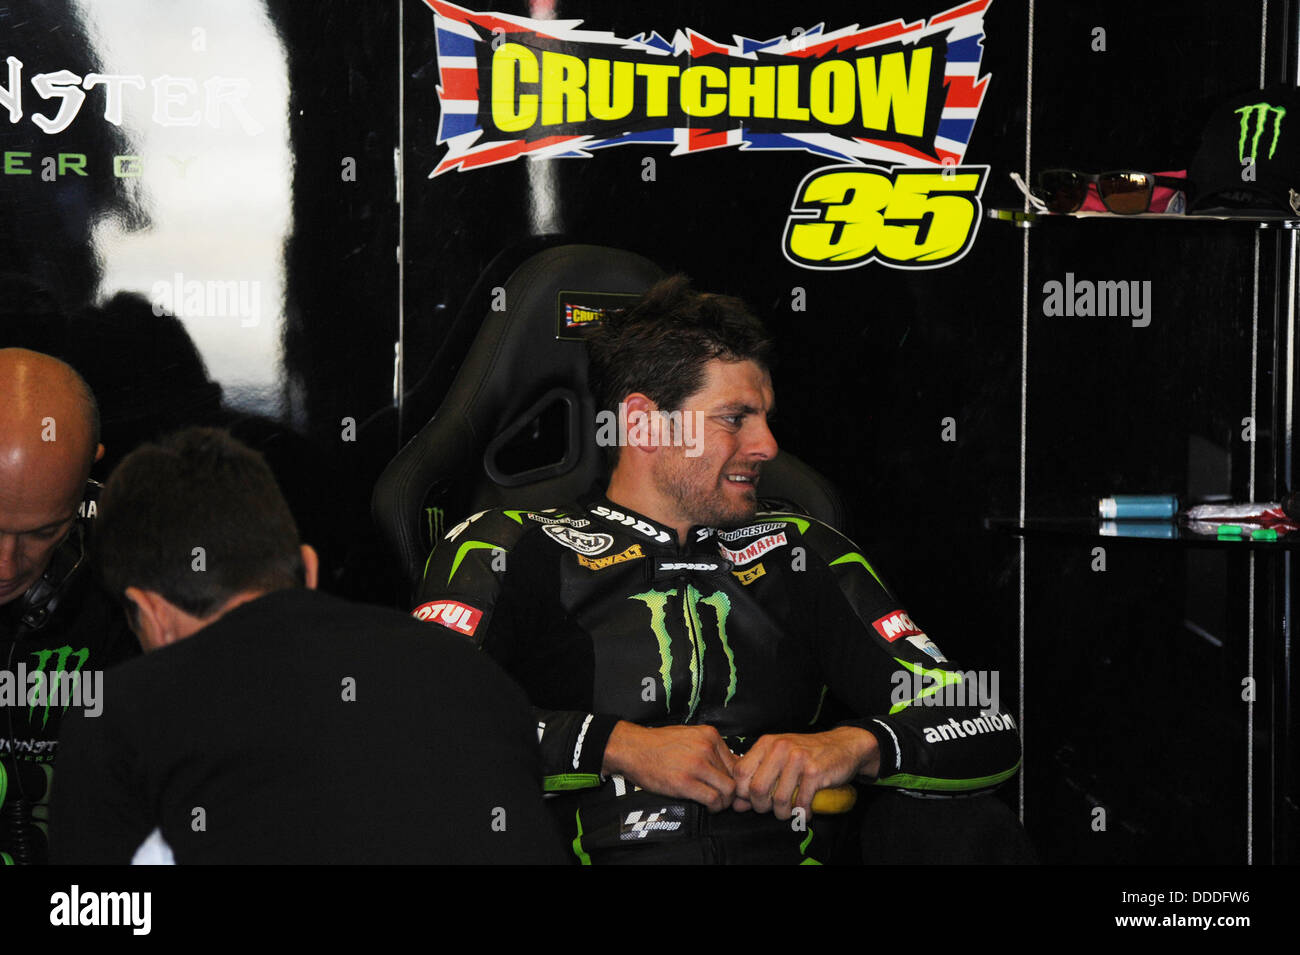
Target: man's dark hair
{"x": 661, "y": 344}
{"x": 197, "y": 488}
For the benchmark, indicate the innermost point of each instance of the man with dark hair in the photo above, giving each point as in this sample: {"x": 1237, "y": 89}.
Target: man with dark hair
{"x": 170, "y": 497}
{"x": 270, "y": 723}
{"x": 680, "y": 648}
{"x": 675, "y": 331}
{"x": 58, "y": 630}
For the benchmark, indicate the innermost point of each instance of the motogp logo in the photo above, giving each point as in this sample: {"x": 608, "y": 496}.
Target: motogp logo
{"x": 638, "y": 824}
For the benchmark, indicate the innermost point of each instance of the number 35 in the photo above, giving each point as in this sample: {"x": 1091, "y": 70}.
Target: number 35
{"x": 846, "y": 216}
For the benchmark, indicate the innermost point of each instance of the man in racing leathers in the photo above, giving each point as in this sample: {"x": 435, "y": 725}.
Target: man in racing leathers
{"x": 679, "y": 647}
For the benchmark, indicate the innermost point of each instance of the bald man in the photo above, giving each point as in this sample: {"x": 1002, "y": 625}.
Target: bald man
{"x": 49, "y": 438}
{"x": 54, "y": 620}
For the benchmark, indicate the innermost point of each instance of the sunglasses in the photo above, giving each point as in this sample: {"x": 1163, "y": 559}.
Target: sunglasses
{"x": 1123, "y": 192}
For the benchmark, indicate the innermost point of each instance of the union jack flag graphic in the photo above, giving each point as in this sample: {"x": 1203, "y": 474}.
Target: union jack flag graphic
{"x": 895, "y": 92}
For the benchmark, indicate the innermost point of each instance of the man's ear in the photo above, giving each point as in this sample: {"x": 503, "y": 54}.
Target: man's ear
{"x": 638, "y": 426}
{"x": 310, "y": 565}
{"x": 155, "y": 623}
{"x": 99, "y": 452}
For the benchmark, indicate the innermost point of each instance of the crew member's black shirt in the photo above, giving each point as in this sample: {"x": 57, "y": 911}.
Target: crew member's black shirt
{"x": 300, "y": 728}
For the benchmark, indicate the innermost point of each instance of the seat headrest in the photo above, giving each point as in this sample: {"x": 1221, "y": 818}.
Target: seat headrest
{"x": 518, "y": 370}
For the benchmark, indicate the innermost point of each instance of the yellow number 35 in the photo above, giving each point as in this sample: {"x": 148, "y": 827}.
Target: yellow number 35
{"x": 846, "y": 216}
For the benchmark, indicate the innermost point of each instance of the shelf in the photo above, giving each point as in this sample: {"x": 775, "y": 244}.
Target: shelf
{"x": 1025, "y": 220}
{"x": 1167, "y": 533}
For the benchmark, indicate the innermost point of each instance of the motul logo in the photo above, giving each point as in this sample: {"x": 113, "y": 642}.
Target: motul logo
{"x": 895, "y": 625}
{"x": 451, "y": 614}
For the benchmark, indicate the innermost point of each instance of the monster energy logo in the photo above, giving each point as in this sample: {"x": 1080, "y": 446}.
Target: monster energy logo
{"x": 720, "y": 604}
{"x": 1260, "y": 111}
{"x": 46, "y": 683}
{"x": 435, "y": 516}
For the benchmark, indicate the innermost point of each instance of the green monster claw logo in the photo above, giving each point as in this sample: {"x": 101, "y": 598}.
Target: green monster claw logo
{"x": 44, "y": 678}
{"x": 435, "y": 516}
{"x": 657, "y": 601}
{"x": 720, "y": 603}
{"x": 1260, "y": 111}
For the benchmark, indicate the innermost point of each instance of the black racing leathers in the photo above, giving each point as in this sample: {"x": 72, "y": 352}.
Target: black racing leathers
{"x": 601, "y": 616}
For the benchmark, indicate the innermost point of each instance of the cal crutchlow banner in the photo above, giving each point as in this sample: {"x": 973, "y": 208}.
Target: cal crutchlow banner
{"x": 895, "y": 92}
{"x": 894, "y": 105}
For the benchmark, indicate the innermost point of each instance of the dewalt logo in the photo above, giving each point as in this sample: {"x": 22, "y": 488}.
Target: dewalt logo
{"x": 600, "y": 563}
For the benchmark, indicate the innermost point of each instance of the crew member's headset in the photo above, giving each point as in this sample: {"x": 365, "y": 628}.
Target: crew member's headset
{"x": 33, "y": 611}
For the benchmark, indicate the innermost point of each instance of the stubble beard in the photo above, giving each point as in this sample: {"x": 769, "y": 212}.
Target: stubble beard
{"x": 703, "y": 504}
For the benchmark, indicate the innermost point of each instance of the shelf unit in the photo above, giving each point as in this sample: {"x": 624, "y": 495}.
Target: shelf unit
{"x": 1273, "y": 743}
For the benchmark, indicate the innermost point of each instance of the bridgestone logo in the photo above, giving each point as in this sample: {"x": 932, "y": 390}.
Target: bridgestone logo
{"x": 754, "y": 550}
{"x": 740, "y": 532}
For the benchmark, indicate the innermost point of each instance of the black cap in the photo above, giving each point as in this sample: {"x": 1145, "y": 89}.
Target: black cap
{"x": 1248, "y": 163}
